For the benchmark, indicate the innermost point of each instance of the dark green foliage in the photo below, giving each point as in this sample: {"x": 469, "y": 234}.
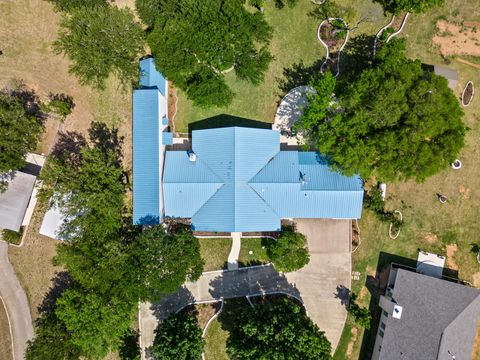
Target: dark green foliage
{"x": 20, "y": 129}
{"x": 361, "y": 315}
{"x": 100, "y": 41}
{"x": 415, "y": 6}
{"x": 279, "y": 4}
{"x": 397, "y": 121}
{"x": 61, "y": 104}
{"x": 130, "y": 348}
{"x": 194, "y": 41}
{"x": 160, "y": 261}
{"x": 52, "y": 341}
{"x": 178, "y": 337}
{"x": 12, "y": 237}
{"x": 277, "y": 329}
{"x": 96, "y": 324}
{"x": 373, "y": 201}
{"x": 69, "y": 5}
{"x": 289, "y": 252}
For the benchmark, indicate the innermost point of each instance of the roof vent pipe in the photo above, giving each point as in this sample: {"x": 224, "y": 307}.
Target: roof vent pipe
{"x": 192, "y": 156}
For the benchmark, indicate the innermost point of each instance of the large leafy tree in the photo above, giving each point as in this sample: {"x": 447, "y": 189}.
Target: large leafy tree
{"x": 415, "y": 6}
{"x": 100, "y": 41}
{"x": 289, "y": 252}
{"x": 277, "y": 329}
{"x": 96, "y": 324}
{"x": 20, "y": 131}
{"x": 178, "y": 337}
{"x": 396, "y": 121}
{"x": 194, "y": 41}
{"x": 160, "y": 261}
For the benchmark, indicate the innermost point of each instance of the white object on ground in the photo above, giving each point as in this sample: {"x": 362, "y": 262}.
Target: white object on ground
{"x": 383, "y": 189}
{"x": 457, "y": 164}
{"x": 235, "y": 251}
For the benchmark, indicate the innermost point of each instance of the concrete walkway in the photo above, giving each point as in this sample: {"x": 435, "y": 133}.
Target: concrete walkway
{"x": 322, "y": 285}
{"x": 235, "y": 251}
{"x": 16, "y": 304}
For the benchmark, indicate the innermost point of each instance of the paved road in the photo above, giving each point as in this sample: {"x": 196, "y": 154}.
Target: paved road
{"x": 322, "y": 285}
{"x": 16, "y": 303}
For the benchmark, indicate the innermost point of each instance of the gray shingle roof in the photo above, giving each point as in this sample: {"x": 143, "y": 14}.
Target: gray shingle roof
{"x": 438, "y": 317}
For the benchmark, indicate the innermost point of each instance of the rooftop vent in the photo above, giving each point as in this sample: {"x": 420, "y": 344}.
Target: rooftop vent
{"x": 192, "y": 156}
{"x": 397, "y": 312}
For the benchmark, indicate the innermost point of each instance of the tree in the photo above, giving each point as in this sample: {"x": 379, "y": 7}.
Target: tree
{"x": 68, "y": 5}
{"x": 160, "y": 262}
{"x": 289, "y": 252}
{"x": 361, "y": 315}
{"x": 395, "y": 121}
{"x": 96, "y": 324}
{"x": 277, "y": 329}
{"x": 52, "y": 341}
{"x": 178, "y": 337}
{"x": 279, "y": 4}
{"x": 100, "y": 41}
{"x": 193, "y": 42}
{"x": 20, "y": 132}
{"x": 415, "y": 6}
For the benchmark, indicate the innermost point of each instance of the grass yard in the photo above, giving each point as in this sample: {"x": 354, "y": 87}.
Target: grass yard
{"x": 216, "y": 342}
{"x": 258, "y": 255}
{"x": 447, "y": 229}
{"x": 5, "y": 339}
{"x": 294, "y": 41}
{"x": 215, "y": 253}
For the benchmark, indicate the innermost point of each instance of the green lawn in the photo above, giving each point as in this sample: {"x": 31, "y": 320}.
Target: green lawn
{"x": 258, "y": 256}
{"x": 216, "y": 342}
{"x": 428, "y": 225}
{"x": 215, "y": 253}
{"x": 294, "y": 41}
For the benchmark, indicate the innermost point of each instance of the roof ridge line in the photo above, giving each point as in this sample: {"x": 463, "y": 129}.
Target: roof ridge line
{"x": 206, "y": 202}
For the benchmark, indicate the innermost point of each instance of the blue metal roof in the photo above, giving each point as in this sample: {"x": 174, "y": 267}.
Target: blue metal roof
{"x": 167, "y": 138}
{"x": 241, "y": 181}
{"x": 150, "y": 77}
{"x": 146, "y": 157}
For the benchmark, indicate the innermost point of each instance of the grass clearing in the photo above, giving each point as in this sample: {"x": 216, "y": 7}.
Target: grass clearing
{"x": 294, "y": 42}
{"x": 216, "y": 342}
{"x": 215, "y": 252}
{"x": 258, "y": 254}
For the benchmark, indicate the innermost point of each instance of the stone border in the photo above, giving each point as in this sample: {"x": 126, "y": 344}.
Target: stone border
{"x": 463, "y": 93}
{"x": 327, "y": 48}
{"x": 379, "y": 33}
{"x": 393, "y": 237}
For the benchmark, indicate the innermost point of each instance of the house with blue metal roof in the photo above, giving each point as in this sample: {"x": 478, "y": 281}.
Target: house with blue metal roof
{"x": 233, "y": 179}
{"x": 150, "y": 122}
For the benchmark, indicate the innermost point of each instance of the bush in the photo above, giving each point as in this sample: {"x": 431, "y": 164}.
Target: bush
{"x": 61, "y": 105}
{"x": 178, "y": 337}
{"x": 12, "y": 237}
{"x": 374, "y": 202}
{"x": 362, "y": 316}
{"x": 289, "y": 252}
{"x": 68, "y": 5}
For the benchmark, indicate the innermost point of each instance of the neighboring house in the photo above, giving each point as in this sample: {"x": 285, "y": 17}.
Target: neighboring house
{"x": 427, "y": 317}
{"x": 18, "y": 201}
{"x": 233, "y": 179}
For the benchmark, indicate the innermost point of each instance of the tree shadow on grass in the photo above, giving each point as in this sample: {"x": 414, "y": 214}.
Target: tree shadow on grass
{"x": 356, "y": 57}
{"x": 298, "y": 74}
{"x": 68, "y": 147}
{"x": 224, "y": 120}
{"x": 60, "y": 283}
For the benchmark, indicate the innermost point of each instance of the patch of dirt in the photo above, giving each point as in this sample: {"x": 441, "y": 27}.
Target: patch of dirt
{"x": 363, "y": 292}
{"x": 431, "y": 238}
{"x": 476, "y": 279}
{"x": 371, "y": 271}
{"x": 205, "y": 312}
{"x": 466, "y": 62}
{"x": 454, "y": 39}
{"x": 466, "y": 192}
{"x": 467, "y": 94}
{"x": 353, "y": 338}
{"x": 172, "y": 105}
{"x": 451, "y": 250}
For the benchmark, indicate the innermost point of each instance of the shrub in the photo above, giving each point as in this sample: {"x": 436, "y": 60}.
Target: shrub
{"x": 12, "y": 237}
{"x": 362, "y": 316}
{"x": 289, "y": 252}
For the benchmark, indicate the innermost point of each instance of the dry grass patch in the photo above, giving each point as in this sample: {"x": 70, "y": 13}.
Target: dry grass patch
{"x": 451, "y": 250}
{"x": 5, "y": 339}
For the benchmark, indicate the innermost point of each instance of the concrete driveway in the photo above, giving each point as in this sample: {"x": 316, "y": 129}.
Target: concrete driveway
{"x": 16, "y": 304}
{"x": 322, "y": 285}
